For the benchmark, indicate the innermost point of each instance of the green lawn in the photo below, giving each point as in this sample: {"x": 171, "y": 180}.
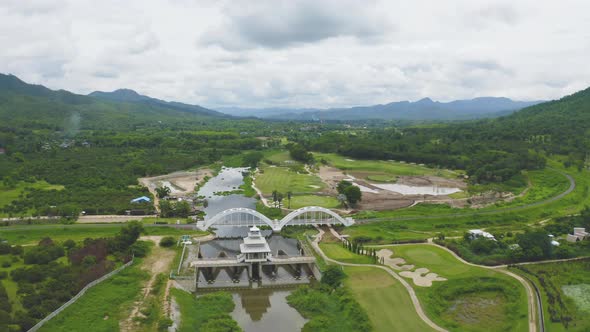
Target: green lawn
{"x": 299, "y": 201}
{"x": 7, "y": 195}
{"x": 513, "y": 216}
{"x": 506, "y": 296}
{"x": 339, "y": 253}
{"x": 279, "y": 157}
{"x": 32, "y": 234}
{"x": 568, "y": 284}
{"x": 284, "y": 180}
{"x": 103, "y": 306}
{"x": 381, "y": 166}
{"x": 386, "y": 301}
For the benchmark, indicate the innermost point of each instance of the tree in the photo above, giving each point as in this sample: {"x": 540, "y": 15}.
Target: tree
{"x": 167, "y": 241}
{"x": 353, "y": 194}
{"x": 252, "y": 159}
{"x": 342, "y": 199}
{"x": 163, "y": 191}
{"x": 333, "y": 276}
{"x": 342, "y": 185}
{"x": 279, "y": 199}
{"x": 275, "y": 195}
{"x": 289, "y": 195}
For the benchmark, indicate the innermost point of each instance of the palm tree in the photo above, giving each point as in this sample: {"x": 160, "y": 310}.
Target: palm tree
{"x": 289, "y": 195}
{"x": 275, "y": 194}
{"x": 279, "y": 199}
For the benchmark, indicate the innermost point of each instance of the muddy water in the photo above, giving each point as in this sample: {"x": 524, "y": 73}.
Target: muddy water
{"x": 417, "y": 190}
{"x": 228, "y": 179}
{"x": 266, "y": 310}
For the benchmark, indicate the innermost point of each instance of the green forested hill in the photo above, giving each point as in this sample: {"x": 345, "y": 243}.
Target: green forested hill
{"x": 24, "y": 105}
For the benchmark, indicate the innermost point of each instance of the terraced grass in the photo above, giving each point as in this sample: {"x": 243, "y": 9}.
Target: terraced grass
{"x": 313, "y": 200}
{"x": 387, "y": 167}
{"x": 386, "y": 301}
{"x": 32, "y": 234}
{"x": 284, "y": 180}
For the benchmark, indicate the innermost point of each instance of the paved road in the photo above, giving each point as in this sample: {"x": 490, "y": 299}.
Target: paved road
{"x": 495, "y": 211}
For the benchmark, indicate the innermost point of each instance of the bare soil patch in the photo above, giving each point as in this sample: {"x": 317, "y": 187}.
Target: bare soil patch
{"x": 182, "y": 183}
{"x": 158, "y": 261}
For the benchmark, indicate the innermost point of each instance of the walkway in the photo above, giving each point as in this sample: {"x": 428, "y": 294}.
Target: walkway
{"x": 413, "y": 297}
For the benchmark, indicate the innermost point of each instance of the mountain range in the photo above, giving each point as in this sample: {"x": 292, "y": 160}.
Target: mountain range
{"x": 423, "y": 109}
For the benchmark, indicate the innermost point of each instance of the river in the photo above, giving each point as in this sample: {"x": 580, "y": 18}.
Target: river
{"x": 259, "y": 309}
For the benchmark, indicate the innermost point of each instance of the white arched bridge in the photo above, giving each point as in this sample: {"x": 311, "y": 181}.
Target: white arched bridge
{"x": 310, "y": 215}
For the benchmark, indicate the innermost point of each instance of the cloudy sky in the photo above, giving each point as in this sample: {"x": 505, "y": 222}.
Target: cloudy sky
{"x": 309, "y": 53}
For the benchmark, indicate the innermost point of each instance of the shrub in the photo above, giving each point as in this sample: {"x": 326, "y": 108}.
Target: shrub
{"x": 167, "y": 241}
{"x": 140, "y": 248}
{"x": 6, "y": 264}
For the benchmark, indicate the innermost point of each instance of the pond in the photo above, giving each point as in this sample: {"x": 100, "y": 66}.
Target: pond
{"x": 417, "y": 190}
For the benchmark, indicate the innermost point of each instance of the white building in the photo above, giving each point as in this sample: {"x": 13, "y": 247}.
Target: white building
{"x": 477, "y": 233}
{"x": 255, "y": 248}
{"x": 579, "y": 235}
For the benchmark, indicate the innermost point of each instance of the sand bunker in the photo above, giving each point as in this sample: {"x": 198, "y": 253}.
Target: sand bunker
{"x": 396, "y": 263}
{"x": 421, "y": 277}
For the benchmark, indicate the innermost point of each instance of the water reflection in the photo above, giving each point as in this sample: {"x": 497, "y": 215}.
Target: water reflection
{"x": 265, "y": 310}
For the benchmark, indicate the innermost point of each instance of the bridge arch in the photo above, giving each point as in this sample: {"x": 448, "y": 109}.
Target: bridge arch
{"x": 222, "y": 218}
{"x": 337, "y": 219}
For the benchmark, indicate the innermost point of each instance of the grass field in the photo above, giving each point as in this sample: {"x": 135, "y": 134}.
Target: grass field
{"x": 339, "y": 253}
{"x": 209, "y": 312}
{"x": 284, "y": 180}
{"x": 381, "y": 167}
{"x": 279, "y": 157}
{"x": 386, "y": 301}
{"x": 34, "y": 233}
{"x": 299, "y": 201}
{"x": 500, "y": 305}
{"x": 7, "y": 195}
{"x": 568, "y": 285}
{"x": 103, "y": 306}
{"x": 430, "y": 219}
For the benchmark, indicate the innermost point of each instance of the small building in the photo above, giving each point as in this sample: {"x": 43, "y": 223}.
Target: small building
{"x": 477, "y": 233}
{"x": 255, "y": 248}
{"x": 579, "y": 235}
{"x": 142, "y": 199}
{"x": 2, "y": 151}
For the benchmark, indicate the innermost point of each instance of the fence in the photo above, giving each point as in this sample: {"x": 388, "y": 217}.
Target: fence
{"x": 77, "y": 296}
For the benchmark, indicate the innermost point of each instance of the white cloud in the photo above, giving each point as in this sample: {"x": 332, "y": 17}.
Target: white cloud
{"x": 300, "y": 53}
